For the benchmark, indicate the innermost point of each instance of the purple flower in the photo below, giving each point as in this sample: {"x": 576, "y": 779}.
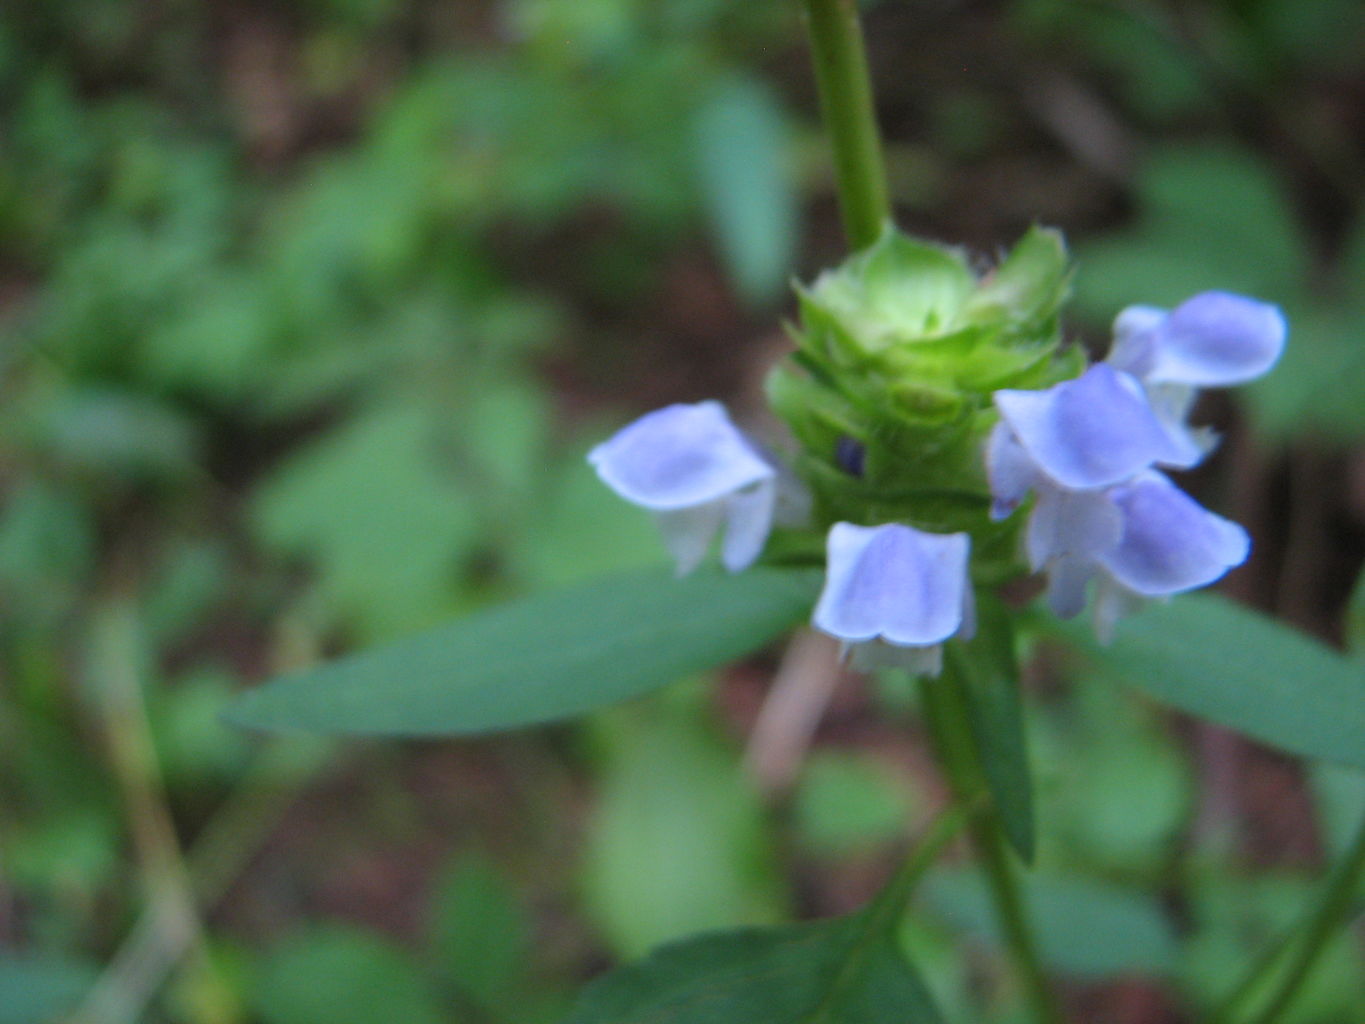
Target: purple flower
{"x": 1082, "y": 434}
{"x": 1215, "y": 339}
{"x": 696, "y": 472}
{"x": 893, "y": 594}
{"x": 1168, "y": 544}
{"x": 1086, "y": 449}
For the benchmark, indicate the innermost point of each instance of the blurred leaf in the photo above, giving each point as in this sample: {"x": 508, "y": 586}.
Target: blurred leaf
{"x": 1355, "y": 619}
{"x": 193, "y": 745}
{"x": 47, "y": 547}
{"x": 1227, "y": 663}
{"x": 217, "y": 342}
{"x": 1339, "y": 796}
{"x": 846, "y": 801}
{"x": 846, "y": 969}
{"x": 117, "y": 432}
{"x": 740, "y": 136}
{"x": 343, "y": 975}
{"x": 38, "y": 988}
{"x": 184, "y": 590}
{"x": 581, "y": 529}
{"x": 1208, "y": 217}
{"x": 1240, "y": 668}
{"x": 378, "y": 507}
{"x": 988, "y": 671}
{"x": 676, "y": 843}
{"x": 540, "y": 658}
{"x": 507, "y": 430}
{"x": 1232, "y": 920}
{"x": 1159, "y": 76}
{"x": 1126, "y": 796}
{"x": 480, "y": 930}
{"x": 1084, "y": 928}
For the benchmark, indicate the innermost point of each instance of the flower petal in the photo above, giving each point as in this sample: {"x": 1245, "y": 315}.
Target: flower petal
{"x": 1067, "y": 578}
{"x": 1172, "y": 403}
{"x": 1009, "y": 469}
{"x": 893, "y": 582}
{"x": 687, "y": 532}
{"x": 748, "y": 518}
{"x": 1170, "y": 542}
{"x": 677, "y": 457}
{"x": 1133, "y": 350}
{"x": 1093, "y": 431}
{"x": 1216, "y": 339}
{"x": 1082, "y": 524}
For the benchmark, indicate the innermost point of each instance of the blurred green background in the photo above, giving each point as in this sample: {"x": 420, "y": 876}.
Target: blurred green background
{"x": 308, "y": 313}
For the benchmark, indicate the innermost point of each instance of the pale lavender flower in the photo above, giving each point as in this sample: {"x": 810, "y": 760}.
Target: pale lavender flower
{"x": 696, "y": 472}
{"x": 1168, "y": 544}
{"x": 894, "y": 594}
{"x": 1214, "y": 339}
{"x": 1079, "y": 435}
{"x": 1086, "y": 448}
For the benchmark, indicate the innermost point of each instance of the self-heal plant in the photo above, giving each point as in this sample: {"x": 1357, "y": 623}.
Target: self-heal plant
{"x": 949, "y": 443}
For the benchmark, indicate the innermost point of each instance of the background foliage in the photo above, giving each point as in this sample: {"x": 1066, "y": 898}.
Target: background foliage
{"x": 308, "y": 312}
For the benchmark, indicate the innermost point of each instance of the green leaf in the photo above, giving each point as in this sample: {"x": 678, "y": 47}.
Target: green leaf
{"x": 539, "y": 659}
{"x": 676, "y": 844}
{"x": 848, "y": 970}
{"x": 343, "y": 975}
{"x": 1119, "y": 789}
{"x": 989, "y": 673}
{"x": 1085, "y": 928}
{"x": 739, "y": 138}
{"x": 386, "y": 561}
{"x": 37, "y": 988}
{"x": 480, "y": 930}
{"x": 1212, "y": 658}
{"x": 848, "y": 802}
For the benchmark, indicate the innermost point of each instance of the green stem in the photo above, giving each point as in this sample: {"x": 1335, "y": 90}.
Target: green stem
{"x": 1307, "y": 940}
{"x": 945, "y": 712}
{"x": 836, "y": 41}
{"x": 940, "y": 833}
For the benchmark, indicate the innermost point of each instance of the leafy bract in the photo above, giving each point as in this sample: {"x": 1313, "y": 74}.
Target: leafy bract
{"x": 542, "y": 658}
{"x": 1212, "y": 658}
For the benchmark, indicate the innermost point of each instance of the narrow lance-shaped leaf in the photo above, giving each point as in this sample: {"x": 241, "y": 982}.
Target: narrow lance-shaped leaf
{"x": 1212, "y": 658}
{"x": 545, "y": 657}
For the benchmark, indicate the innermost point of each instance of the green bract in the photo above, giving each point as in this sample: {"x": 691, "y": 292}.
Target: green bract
{"x": 889, "y": 389}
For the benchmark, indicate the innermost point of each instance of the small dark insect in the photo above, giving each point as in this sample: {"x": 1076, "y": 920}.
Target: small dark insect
{"x": 850, "y": 455}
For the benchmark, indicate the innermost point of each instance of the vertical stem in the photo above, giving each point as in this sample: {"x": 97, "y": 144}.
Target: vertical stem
{"x": 836, "y": 41}
{"x": 945, "y": 712}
